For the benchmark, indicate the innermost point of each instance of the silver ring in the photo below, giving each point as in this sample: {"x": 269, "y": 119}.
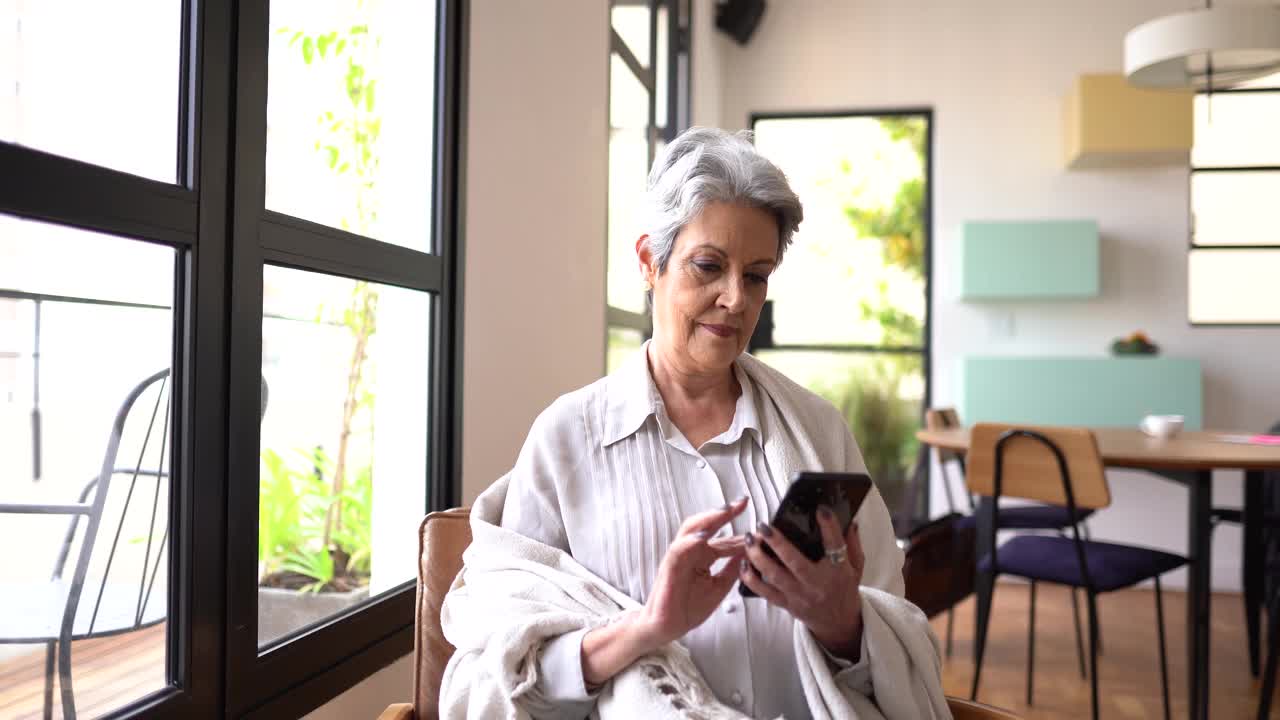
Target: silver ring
{"x": 839, "y": 556}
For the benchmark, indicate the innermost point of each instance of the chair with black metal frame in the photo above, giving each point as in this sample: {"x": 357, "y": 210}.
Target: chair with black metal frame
{"x": 1264, "y": 491}
{"x": 1039, "y": 516}
{"x": 53, "y": 614}
{"x": 1271, "y": 548}
{"x": 1014, "y": 461}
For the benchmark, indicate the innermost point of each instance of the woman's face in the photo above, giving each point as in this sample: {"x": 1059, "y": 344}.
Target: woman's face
{"x": 707, "y": 301}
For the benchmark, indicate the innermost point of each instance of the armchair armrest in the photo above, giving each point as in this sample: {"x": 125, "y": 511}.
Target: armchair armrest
{"x": 398, "y": 711}
{"x": 33, "y": 509}
{"x": 79, "y": 508}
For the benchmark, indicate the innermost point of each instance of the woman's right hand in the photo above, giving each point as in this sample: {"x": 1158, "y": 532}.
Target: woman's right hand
{"x": 685, "y": 593}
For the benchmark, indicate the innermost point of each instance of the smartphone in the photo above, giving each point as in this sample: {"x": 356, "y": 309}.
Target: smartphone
{"x": 797, "y": 516}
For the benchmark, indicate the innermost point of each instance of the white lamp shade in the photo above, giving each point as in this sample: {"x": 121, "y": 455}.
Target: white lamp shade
{"x": 1175, "y": 51}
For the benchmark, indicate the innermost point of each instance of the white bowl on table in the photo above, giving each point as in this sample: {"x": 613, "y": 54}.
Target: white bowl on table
{"x": 1162, "y": 426}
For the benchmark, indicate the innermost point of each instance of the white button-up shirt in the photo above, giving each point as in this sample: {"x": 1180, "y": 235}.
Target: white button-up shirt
{"x": 640, "y": 479}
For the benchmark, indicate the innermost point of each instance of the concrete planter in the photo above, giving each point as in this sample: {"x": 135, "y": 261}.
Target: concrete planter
{"x": 281, "y": 612}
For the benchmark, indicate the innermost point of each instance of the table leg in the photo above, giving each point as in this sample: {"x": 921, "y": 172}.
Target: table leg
{"x": 1251, "y": 570}
{"x": 1200, "y": 496}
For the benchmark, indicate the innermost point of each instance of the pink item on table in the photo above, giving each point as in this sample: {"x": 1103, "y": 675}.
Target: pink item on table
{"x": 1250, "y": 439}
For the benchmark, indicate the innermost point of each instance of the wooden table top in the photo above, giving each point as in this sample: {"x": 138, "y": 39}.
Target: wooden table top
{"x": 1124, "y": 447}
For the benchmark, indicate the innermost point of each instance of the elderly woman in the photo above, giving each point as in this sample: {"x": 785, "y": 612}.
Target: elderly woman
{"x": 640, "y": 501}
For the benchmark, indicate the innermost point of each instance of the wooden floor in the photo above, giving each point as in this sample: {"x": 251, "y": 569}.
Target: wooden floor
{"x": 1129, "y": 672}
{"x": 112, "y": 671}
{"x": 106, "y": 673}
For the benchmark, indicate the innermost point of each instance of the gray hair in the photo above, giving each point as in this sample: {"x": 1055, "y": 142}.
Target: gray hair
{"x": 705, "y": 165}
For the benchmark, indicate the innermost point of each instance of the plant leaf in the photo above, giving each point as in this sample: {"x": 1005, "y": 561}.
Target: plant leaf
{"x": 323, "y": 42}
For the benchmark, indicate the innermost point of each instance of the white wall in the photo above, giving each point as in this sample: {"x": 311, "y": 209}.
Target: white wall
{"x": 707, "y": 49}
{"x": 535, "y": 219}
{"x": 995, "y": 73}
{"x": 535, "y": 226}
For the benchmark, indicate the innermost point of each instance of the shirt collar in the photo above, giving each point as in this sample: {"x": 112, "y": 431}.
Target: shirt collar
{"x": 632, "y": 397}
{"x": 744, "y": 413}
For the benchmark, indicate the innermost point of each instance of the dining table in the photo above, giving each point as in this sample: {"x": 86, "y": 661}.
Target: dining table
{"x": 1189, "y": 459}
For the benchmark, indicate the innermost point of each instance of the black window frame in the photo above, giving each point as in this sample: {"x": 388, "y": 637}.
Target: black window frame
{"x": 1192, "y": 245}
{"x": 679, "y": 64}
{"x": 213, "y": 216}
{"x": 763, "y": 341}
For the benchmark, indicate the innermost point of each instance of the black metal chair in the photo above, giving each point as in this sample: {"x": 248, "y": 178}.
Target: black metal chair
{"x": 79, "y": 607}
{"x": 1032, "y": 517}
{"x": 1268, "y": 556}
{"x": 1013, "y": 461}
{"x": 1273, "y": 622}
{"x": 1253, "y": 566}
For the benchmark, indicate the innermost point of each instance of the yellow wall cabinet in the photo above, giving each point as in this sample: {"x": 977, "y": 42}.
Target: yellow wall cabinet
{"x": 1111, "y": 124}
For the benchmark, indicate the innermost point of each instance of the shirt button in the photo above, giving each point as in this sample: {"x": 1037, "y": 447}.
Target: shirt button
{"x": 702, "y": 463}
{"x": 733, "y": 608}
{"x": 736, "y": 698}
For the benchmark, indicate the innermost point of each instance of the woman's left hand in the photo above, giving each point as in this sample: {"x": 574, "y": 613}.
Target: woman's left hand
{"x": 819, "y": 593}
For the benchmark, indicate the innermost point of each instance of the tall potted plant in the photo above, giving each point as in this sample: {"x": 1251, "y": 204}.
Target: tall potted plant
{"x": 315, "y": 517}
{"x": 883, "y": 423}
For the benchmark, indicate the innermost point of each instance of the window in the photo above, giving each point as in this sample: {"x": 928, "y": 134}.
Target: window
{"x": 86, "y": 356}
{"x": 228, "y": 327}
{"x": 344, "y": 429}
{"x": 119, "y": 111}
{"x": 848, "y": 309}
{"x": 1235, "y": 177}
{"x": 344, "y": 444}
{"x": 648, "y": 107}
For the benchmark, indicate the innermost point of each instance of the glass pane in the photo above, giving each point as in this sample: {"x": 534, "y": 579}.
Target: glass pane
{"x": 632, "y": 24}
{"x": 660, "y": 75}
{"x": 859, "y": 254}
{"x": 628, "y": 100}
{"x": 1233, "y": 286}
{"x": 90, "y": 81}
{"x": 27, "y": 263}
{"x": 1236, "y": 129}
{"x": 344, "y": 444}
{"x": 628, "y": 170}
{"x": 1231, "y": 208}
{"x": 350, "y": 116}
{"x": 623, "y": 343}
{"x": 881, "y": 396}
{"x": 74, "y": 370}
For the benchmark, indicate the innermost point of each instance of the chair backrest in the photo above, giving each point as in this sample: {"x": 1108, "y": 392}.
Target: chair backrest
{"x": 442, "y": 538}
{"x": 1030, "y": 467}
{"x": 146, "y": 470}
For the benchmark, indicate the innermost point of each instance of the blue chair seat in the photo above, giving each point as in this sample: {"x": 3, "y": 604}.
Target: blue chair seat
{"x": 1053, "y": 559}
{"x": 1034, "y": 517}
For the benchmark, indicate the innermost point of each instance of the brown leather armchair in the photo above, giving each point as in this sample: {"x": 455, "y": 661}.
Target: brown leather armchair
{"x": 442, "y": 538}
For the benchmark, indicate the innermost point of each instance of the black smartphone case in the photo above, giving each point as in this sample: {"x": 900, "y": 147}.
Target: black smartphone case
{"x": 797, "y": 517}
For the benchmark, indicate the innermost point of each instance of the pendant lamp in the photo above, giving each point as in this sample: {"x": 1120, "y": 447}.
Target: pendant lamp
{"x": 1211, "y": 48}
